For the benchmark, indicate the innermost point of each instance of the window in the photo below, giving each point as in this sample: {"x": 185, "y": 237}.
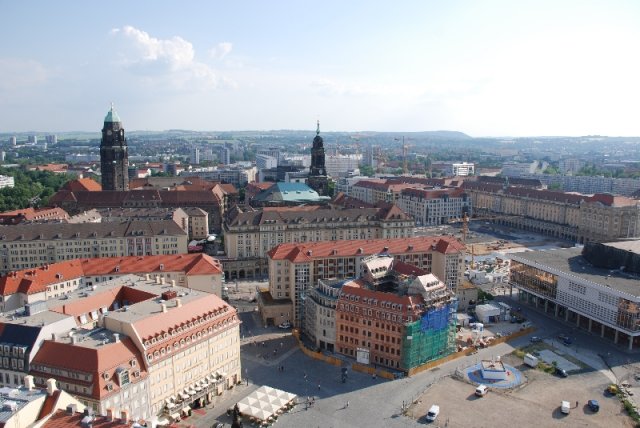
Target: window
{"x": 123, "y": 377}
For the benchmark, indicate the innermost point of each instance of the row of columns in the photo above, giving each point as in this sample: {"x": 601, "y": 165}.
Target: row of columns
{"x": 523, "y": 296}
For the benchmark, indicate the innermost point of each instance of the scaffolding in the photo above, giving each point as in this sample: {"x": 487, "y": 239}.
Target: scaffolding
{"x": 431, "y": 337}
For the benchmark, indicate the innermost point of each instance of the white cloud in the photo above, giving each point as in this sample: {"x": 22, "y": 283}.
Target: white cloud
{"x": 221, "y": 50}
{"x": 20, "y": 73}
{"x": 163, "y": 61}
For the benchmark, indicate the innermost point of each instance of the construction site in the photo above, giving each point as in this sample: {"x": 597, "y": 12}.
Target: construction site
{"x": 431, "y": 337}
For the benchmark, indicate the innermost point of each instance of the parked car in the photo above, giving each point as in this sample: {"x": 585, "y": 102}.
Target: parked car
{"x": 285, "y": 325}
{"x": 593, "y": 405}
{"x": 433, "y": 413}
{"x": 563, "y": 337}
{"x": 482, "y": 390}
{"x": 535, "y": 339}
{"x": 561, "y": 372}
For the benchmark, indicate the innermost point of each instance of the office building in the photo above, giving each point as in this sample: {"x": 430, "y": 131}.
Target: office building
{"x": 30, "y": 245}
{"x": 564, "y": 284}
{"x": 295, "y": 269}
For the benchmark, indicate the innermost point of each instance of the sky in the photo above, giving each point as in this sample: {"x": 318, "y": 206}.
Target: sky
{"x": 485, "y": 68}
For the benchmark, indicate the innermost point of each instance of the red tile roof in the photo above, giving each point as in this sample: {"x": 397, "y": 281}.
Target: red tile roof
{"x": 86, "y": 184}
{"x": 95, "y": 360}
{"x": 190, "y": 264}
{"x": 35, "y": 280}
{"x": 354, "y": 289}
{"x": 162, "y": 322}
{"x": 297, "y": 252}
{"x": 49, "y": 404}
{"x": 60, "y": 419}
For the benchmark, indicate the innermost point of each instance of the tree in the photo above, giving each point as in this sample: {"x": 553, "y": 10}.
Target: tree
{"x": 366, "y": 170}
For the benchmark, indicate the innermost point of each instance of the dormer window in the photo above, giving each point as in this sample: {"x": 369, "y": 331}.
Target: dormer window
{"x": 123, "y": 377}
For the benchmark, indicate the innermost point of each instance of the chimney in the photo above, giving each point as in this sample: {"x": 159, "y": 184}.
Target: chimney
{"x": 173, "y": 283}
{"x": 54, "y": 337}
{"x": 74, "y": 339}
{"x": 51, "y": 386}
{"x": 162, "y": 280}
{"x": 148, "y": 276}
{"x": 116, "y": 337}
{"x": 178, "y": 303}
{"x": 157, "y": 279}
{"x": 28, "y": 382}
{"x": 72, "y": 409}
{"x": 164, "y": 307}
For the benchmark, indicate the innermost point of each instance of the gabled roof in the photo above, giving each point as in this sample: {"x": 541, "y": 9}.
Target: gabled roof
{"x": 296, "y": 252}
{"x": 190, "y": 264}
{"x": 107, "y": 358}
{"x": 36, "y": 280}
{"x": 82, "y": 184}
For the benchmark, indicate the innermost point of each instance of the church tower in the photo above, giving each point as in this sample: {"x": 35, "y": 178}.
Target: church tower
{"x": 114, "y": 156}
{"x": 318, "y": 179}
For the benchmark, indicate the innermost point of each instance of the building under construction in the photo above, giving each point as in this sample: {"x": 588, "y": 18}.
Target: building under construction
{"x": 394, "y": 315}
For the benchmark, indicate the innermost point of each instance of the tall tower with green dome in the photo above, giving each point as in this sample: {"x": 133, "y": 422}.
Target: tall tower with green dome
{"x": 114, "y": 154}
{"x": 317, "y": 178}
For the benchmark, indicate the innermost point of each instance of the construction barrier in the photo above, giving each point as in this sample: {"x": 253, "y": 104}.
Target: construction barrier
{"x": 371, "y": 370}
{"x": 468, "y": 351}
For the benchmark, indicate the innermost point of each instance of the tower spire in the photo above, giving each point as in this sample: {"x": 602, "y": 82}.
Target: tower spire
{"x": 318, "y": 128}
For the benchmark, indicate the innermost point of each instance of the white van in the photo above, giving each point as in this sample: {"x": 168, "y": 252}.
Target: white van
{"x": 531, "y": 361}
{"x": 565, "y": 407}
{"x": 482, "y": 390}
{"x": 433, "y": 413}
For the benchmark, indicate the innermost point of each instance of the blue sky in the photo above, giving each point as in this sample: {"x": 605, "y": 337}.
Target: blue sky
{"x": 487, "y": 68}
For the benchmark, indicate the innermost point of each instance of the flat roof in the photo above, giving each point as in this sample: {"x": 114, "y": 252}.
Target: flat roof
{"x": 632, "y": 246}
{"x": 570, "y": 261}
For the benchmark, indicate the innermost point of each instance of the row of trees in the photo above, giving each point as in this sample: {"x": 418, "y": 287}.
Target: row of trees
{"x": 32, "y": 188}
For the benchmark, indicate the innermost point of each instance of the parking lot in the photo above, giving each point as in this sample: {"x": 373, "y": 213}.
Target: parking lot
{"x": 536, "y": 402}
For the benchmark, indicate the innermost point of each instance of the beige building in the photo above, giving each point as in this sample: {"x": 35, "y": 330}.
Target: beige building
{"x": 27, "y": 406}
{"x": 430, "y": 207}
{"x": 294, "y": 269}
{"x": 194, "y": 271}
{"x": 31, "y": 245}
{"x": 252, "y": 234}
{"x": 467, "y": 295}
{"x": 198, "y": 222}
{"x": 571, "y": 216}
{"x": 143, "y": 349}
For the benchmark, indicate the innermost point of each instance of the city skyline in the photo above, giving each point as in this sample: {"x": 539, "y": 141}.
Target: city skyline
{"x": 489, "y": 69}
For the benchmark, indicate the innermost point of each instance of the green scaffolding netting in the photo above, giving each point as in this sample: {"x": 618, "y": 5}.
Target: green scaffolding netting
{"x": 429, "y": 338}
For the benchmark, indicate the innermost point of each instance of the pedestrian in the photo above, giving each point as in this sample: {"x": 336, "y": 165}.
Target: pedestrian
{"x": 374, "y": 376}
{"x": 318, "y": 387}
{"x": 576, "y": 403}
{"x": 347, "y": 405}
{"x": 305, "y": 375}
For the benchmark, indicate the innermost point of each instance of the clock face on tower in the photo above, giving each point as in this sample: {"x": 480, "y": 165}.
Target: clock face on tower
{"x": 109, "y": 132}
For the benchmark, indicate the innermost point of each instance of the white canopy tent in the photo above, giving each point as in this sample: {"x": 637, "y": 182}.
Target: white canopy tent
{"x": 264, "y": 402}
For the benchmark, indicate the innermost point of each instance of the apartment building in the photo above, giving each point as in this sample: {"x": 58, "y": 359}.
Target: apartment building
{"x": 565, "y": 285}
{"x": 142, "y": 349}
{"x": 435, "y": 207}
{"x": 251, "y": 234}
{"x": 373, "y": 191}
{"x": 51, "y": 281}
{"x": 33, "y": 215}
{"x": 31, "y": 245}
{"x": 395, "y": 315}
{"x": 295, "y": 269}
{"x": 571, "y": 216}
